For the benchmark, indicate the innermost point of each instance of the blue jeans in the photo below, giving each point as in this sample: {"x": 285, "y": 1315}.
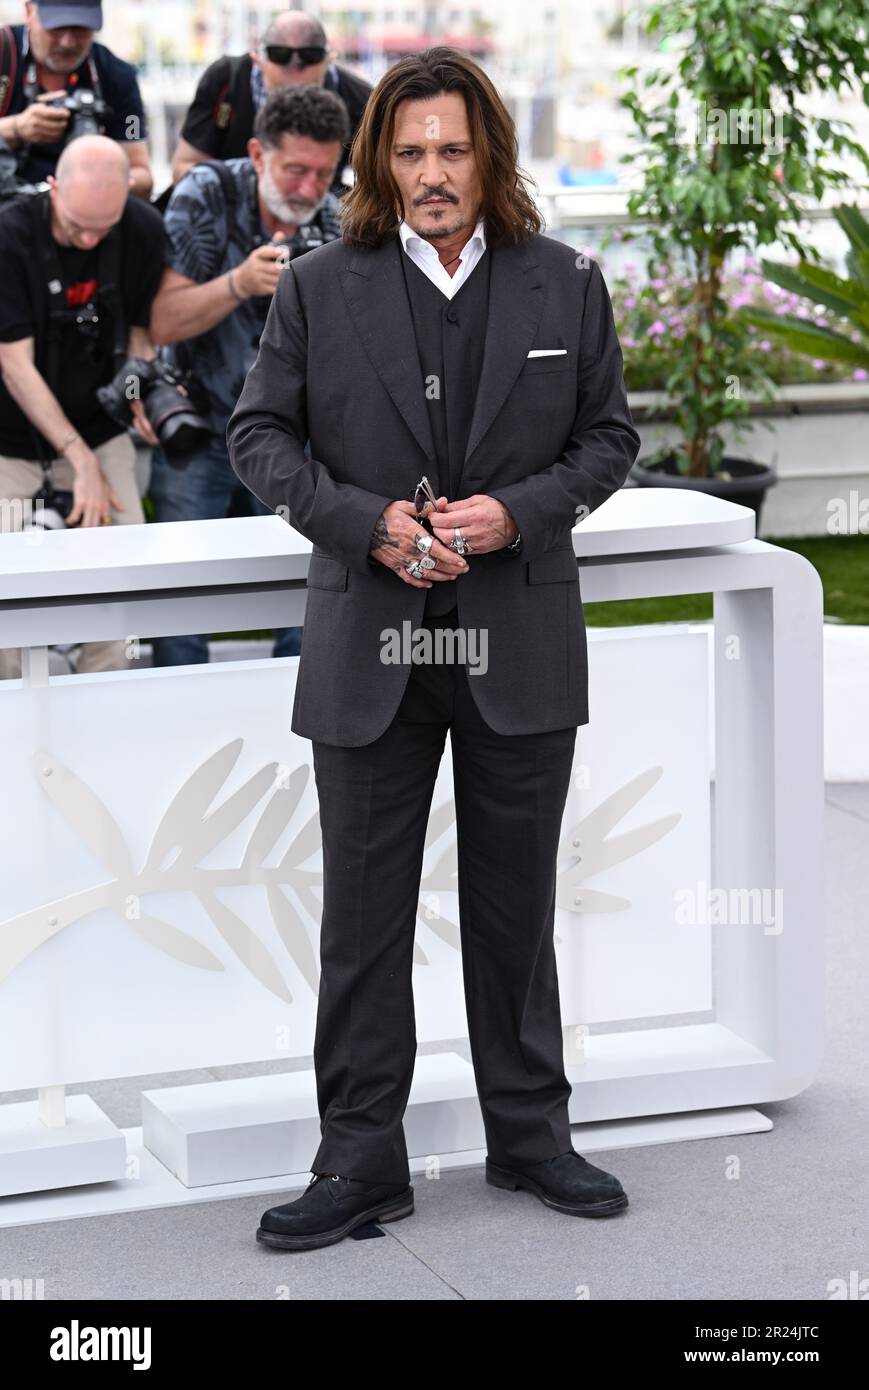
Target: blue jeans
{"x": 206, "y": 490}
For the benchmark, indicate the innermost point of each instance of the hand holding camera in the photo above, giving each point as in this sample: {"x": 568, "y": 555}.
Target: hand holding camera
{"x": 259, "y": 274}
{"x": 42, "y": 122}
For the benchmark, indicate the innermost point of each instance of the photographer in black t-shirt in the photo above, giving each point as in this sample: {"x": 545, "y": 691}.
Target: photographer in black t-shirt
{"x": 81, "y": 265}
{"x": 294, "y": 51}
{"x": 51, "y": 64}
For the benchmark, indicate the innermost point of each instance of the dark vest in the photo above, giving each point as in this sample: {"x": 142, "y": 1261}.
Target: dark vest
{"x": 450, "y": 339}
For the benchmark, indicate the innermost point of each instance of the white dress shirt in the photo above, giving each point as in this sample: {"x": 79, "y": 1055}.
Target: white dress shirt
{"x": 423, "y": 254}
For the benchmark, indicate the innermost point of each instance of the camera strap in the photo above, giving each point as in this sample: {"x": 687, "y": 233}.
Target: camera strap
{"x": 30, "y": 84}
{"x": 48, "y": 360}
{"x": 230, "y": 197}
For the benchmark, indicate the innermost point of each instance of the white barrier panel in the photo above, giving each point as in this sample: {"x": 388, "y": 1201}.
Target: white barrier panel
{"x": 160, "y": 900}
{"x": 163, "y": 911}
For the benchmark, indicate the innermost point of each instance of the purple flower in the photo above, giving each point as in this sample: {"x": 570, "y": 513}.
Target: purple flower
{"x": 655, "y": 329}
{"x": 861, "y": 374}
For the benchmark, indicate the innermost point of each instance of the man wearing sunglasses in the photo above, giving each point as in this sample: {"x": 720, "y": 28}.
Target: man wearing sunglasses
{"x": 294, "y": 51}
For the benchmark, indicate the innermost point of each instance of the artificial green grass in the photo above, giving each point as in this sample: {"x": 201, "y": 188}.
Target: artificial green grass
{"x": 841, "y": 561}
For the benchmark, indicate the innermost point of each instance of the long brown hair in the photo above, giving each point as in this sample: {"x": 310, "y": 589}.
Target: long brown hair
{"x": 372, "y": 210}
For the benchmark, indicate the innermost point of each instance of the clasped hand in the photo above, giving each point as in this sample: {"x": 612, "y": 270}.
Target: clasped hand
{"x": 485, "y": 524}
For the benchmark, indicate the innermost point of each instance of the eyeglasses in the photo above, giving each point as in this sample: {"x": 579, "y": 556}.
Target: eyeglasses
{"x": 422, "y": 495}
{"x": 282, "y": 55}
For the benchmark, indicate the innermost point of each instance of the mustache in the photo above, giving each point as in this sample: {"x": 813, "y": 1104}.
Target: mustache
{"x": 448, "y": 197}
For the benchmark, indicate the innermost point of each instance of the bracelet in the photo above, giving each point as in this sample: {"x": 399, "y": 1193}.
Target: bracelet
{"x": 233, "y": 291}
{"x": 70, "y": 438}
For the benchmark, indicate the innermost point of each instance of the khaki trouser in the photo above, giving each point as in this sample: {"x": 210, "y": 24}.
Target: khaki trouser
{"x": 20, "y": 478}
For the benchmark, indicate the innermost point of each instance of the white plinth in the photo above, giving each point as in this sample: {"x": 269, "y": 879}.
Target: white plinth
{"x": 36, "y": 1158}
{"x": 263, "y": 1126}
{"x": 149, "y": 1185}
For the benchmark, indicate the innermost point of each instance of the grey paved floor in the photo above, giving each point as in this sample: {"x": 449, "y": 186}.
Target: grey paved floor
{"x": 796, "y": 1218}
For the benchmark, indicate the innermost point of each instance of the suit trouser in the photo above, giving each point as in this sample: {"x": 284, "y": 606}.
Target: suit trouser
{"x": 510, "y": 793}
{"x": 19, "y": 480}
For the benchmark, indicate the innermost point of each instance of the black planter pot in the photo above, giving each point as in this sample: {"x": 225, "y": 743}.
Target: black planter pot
{"x": 747, "y": 485}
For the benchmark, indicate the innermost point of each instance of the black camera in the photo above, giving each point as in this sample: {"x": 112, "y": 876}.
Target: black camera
{"x": 89, "y": 114}
{"x": 174, "y": 401}
{"x": 308, "y": 237}
{"x": 50, "y": 508}
{"x": 10, "y": 184}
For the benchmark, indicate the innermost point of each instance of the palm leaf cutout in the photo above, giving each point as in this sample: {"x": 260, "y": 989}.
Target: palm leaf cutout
{"x": 204, "y": 837}
{"x": 175, "y": 943}
{"x": 444, "y": 872}
{"x": 419, "y": 955}
{"x": 191, "y": 801}
{"x": 306, "y": 843}
{"x": 600, "y": 852}
{"x": 273, "y": 821}
{"x": 84, "y": 812}
{"x": 246, "y": 946}
{"x": 442, "y": 927}
{"x": 312, "y": 905}
{"x": 292, "y": 932}
{"x": 440, "y": 819}
{"x": 441, "y": 878}
{"x": 592, "y": 901}
{"x": 598, "y": 855}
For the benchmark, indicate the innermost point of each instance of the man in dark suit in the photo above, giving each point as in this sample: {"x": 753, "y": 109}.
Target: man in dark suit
{"x": 442, "y": 338}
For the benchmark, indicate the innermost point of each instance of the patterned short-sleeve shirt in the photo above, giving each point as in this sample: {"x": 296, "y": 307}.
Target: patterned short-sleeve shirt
{"x": 200, "y": 248}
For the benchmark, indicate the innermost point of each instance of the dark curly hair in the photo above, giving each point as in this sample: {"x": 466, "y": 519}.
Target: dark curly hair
{"x": 371, "y": 211}
{"x": 303, "y": 110}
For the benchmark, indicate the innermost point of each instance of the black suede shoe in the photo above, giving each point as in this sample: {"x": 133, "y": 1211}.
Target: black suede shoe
{"x": 568, "y": 1183}
{"x": 330, "y": 1208}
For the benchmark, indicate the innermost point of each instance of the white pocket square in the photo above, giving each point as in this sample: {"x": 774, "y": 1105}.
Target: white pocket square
{"x": 547, "y": 352}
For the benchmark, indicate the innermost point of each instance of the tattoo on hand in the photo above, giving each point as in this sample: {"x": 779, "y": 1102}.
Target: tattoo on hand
{"x": 380, "y": 536}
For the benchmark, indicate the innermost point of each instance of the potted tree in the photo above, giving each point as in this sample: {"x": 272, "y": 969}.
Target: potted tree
{"x": 727, "y": 155}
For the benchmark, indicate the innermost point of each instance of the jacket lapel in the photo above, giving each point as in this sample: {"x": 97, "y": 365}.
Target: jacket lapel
{"x": 377, "y": 300}
{"x": 516, "y": 297}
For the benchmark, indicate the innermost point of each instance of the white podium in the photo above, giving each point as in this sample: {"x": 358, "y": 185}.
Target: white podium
{"x": 160, "y": 901}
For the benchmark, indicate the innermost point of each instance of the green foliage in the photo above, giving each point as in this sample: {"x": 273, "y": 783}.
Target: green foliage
{"x": 653, "y": 320}
{"x": 847, "y": 298}
{"x": 728, "y": 160}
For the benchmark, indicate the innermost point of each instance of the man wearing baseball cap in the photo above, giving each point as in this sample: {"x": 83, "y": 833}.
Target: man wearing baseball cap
{"x": 53, "y": 55}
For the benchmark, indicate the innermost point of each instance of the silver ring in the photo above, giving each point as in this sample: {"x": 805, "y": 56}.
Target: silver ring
{"x": 423, "y": 542}
{"x": 459, "y": 544}
{"x": 415, "y": 568}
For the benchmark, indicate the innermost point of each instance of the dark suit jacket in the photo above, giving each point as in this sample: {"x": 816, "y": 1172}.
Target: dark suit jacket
{"x": 338, "y": 367}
